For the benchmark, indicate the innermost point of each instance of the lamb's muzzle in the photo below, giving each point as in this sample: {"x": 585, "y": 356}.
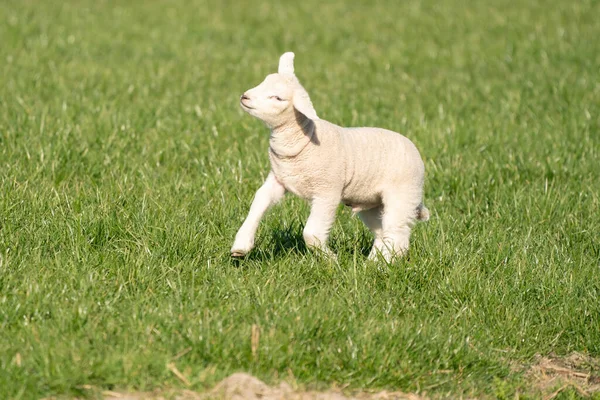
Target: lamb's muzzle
{"x": 379, "y": 173}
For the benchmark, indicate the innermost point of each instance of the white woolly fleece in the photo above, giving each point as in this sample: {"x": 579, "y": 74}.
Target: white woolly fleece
{"x": 376, "y": 172}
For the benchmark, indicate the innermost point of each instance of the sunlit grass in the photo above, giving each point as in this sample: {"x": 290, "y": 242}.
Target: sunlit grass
{"x": 126, "y": 168}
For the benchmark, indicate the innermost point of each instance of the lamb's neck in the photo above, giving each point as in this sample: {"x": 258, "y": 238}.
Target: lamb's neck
{"x": 289, "y": 139}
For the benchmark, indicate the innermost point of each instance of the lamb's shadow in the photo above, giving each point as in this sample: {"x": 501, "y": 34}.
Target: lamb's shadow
{"x": 283, "y": 241}
{"x": 280, "y": 243}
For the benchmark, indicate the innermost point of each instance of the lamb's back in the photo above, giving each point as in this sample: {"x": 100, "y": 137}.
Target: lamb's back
{"x": 377, "y": 157}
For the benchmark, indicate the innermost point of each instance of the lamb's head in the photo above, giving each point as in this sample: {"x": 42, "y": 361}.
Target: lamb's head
{"x": 271, "y": 101}
{"x": 277, "y": 98}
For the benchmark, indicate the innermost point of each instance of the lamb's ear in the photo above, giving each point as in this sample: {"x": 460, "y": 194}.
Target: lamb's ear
{"x": 302, "y": 102}
{"x": 286, "y": 63}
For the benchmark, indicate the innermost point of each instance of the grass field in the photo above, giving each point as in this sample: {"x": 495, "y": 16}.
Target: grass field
{"x": 126, "y": 167}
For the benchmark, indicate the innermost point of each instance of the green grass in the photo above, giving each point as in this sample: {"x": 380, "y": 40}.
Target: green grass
{"x": 126, "y": 167}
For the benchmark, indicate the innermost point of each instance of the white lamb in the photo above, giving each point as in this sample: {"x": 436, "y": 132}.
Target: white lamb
{"x": 377, "y": 172}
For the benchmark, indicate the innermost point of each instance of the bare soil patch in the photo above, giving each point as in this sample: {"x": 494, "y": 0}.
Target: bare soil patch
{"x": 548, "y": 376}
{"x": 242, "y": 386}
{"x": 552, "y": 374}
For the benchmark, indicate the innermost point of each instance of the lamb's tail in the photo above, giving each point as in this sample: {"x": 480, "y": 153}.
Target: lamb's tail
{"x": 422, "y": 213}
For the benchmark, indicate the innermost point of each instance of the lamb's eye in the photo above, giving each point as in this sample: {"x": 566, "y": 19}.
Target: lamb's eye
{"x": 276, "y": 98}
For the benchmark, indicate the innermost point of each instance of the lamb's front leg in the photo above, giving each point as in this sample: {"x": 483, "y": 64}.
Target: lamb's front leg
{"x": 267, "y": 195}
{"x": 320, "y": 221}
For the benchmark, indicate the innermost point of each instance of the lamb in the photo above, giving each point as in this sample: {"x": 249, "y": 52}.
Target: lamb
{"x": 376, "y": 172}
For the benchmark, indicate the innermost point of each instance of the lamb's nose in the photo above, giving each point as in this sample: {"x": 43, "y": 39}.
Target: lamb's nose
{"x": 244, "y": 97}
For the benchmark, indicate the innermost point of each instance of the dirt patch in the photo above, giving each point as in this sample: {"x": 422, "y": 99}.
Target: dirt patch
{"x": 551, "y": 374}
{"x": 246, "y": 387}
{"x": 548, "y": 376}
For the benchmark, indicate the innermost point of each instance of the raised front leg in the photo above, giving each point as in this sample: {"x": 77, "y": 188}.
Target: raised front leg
{"x": 268, "y": 194}
{"x": 320, "y": 221}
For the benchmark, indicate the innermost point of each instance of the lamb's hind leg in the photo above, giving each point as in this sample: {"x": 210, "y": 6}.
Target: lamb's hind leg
{"x": 372, "y": 219}
{"x": 399, "y": 214}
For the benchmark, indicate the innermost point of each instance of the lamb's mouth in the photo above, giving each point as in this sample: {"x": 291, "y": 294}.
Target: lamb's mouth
{"x": 245, "y": 106}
